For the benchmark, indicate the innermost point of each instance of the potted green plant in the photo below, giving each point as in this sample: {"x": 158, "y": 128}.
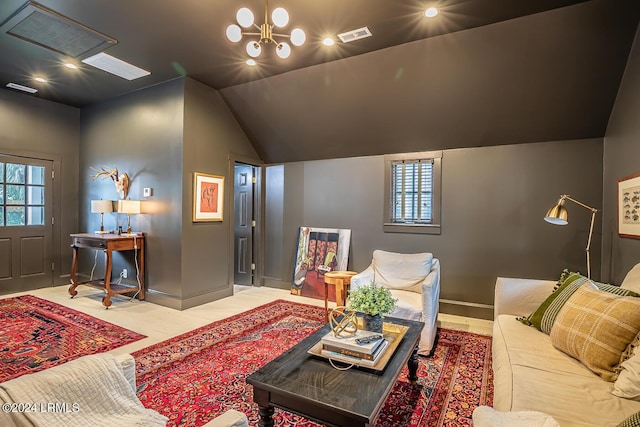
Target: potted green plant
{"x": 374, "y": 302}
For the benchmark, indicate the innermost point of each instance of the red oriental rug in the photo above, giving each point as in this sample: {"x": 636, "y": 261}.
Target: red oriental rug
{"x": 196, "y": 376}
{"x": 36, "y": 334}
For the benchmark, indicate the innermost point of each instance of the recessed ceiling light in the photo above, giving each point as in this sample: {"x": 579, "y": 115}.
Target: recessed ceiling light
{"x": 328, "y": 41}
{"x": 251, "y": 62}
{"x": 116, "y": 66}
{"x": 21, "y": 87}
{"x": 71, "y": 65}
{"x": 431, "y": 12}
{"x": 40, "y": 79}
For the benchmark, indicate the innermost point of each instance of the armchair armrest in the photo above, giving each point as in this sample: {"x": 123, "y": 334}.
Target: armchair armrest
{"x": 431, "y": 292}
{"x": 363, "y": 278}
{"x": 520, "y": 297}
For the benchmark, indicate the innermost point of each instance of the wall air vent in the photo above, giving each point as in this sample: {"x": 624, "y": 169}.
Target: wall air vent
{"x": 22, "y": 88}
{"x": 36, "y": 24}
{"x": 353, "y": 35}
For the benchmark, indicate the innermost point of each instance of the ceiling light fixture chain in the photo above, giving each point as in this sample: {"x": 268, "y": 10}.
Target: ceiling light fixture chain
{"x": 280, "y": 18}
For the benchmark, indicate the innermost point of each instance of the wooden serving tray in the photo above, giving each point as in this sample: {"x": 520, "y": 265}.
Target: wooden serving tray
{"x": 392, "y": 333}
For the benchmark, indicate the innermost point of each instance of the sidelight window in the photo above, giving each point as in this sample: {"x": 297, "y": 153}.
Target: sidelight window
{"x": 22, "y": 194}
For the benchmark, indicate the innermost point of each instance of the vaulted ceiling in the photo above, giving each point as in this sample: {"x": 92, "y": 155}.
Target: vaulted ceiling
{"x": 483, "y": 72}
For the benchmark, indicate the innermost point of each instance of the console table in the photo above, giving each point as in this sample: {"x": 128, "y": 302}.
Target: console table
{"x": 107, "y": 243}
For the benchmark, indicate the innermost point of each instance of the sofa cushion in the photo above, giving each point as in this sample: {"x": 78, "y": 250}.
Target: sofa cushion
{"x": 531, "y": 375}
{"x": 401, "y": 271}
{"x": 632, "y": 279}
{"x": 596, "y": 327}
{"x": 544, "y": 317}
{"x": 628, "y": 383}
{"x": 632, "y": 421}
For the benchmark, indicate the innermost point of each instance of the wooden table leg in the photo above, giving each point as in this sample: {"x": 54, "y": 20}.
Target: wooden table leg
{"x": 340, "y": 299}
{"x": 140, "y": 271}
{"x": 74, "y": 269}
{"x": 326, "y": 302}
{"x": 266, "y": 416}
{"x": 106, "y": 300}
{"x": 412, "y": 364}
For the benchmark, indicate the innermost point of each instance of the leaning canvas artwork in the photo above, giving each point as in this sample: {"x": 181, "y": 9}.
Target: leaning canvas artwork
{"x": 320, "y": 250}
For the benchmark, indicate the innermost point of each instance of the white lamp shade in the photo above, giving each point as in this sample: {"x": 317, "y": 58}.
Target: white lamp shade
{"x": 280, "y": 17}
{"x": 253, "y": 49}
{"x": 283, "y": 50}
{"x": 245, "y": 17}
{"x": 234, "y": 33}
{"x": 298, "y": 37}
{"x": 101, "y": 206}
{"x": 129, "y": 206}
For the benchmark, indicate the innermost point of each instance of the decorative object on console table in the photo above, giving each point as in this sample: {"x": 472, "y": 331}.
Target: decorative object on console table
{"x": 129, "y": 207}
{"x": 558, "y": 215}
{"x": 372, "y": 301}
{"x": 208, "y": 197}
{"x": 121, "y": 180}
{"x": 101, "y": 207}
{"x": 108, "y": 243}
{"x": 629, "y": 206}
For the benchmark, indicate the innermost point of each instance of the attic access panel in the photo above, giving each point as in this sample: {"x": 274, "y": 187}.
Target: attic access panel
{"x": 44, "y": 27}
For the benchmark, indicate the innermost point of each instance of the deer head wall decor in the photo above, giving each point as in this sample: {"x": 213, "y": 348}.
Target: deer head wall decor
{"x": 120, "y": 180}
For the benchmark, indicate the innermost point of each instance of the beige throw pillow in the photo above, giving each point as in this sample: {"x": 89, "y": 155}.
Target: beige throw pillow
{"x": 596, "y": 327}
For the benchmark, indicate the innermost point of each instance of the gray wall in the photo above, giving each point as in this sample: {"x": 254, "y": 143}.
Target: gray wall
{"x": 160, "y": 136}
{"x": 621, "y": 159}
{"x": 42, "y": 129}
{"x": 211, "y": 135}
{"x": 141, "y": 134}
{"x": 493, "y": 202}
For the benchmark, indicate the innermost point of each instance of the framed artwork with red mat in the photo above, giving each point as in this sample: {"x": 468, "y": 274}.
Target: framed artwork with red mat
{"x": 36, "y": 334}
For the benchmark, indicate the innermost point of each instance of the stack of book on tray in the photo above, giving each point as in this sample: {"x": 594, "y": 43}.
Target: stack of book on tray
{"x": 362, "y": 349}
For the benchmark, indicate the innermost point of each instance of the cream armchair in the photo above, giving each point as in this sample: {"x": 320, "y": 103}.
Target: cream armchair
{"x": 414, "y": 279}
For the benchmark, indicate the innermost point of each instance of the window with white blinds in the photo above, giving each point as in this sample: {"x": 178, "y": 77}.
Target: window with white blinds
{"x": 412, "y": 192}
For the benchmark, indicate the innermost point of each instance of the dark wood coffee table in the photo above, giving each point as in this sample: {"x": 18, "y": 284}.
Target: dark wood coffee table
{"x": 309, "y": 386}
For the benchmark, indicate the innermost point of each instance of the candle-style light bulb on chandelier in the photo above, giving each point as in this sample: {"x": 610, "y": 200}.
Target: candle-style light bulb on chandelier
{"x": 279, "y": 17}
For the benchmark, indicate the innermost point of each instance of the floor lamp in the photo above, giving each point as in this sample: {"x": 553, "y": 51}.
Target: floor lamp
{"x": 558, "y": 215}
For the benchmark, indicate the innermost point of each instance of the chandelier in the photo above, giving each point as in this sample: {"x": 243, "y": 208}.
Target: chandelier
{"x": 279, "y": 17}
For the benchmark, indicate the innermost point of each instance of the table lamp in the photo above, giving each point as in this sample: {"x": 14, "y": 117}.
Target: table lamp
{"x": 558, "y": 215}
{"x": 101, "y": 206}
{"x": 129, "y": 207}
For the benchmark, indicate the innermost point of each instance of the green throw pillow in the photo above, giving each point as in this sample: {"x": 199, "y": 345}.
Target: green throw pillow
{"x": 632, "y": 421}
{"x": 543, "y": 318}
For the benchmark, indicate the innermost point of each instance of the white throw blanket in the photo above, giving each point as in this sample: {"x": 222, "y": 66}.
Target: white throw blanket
{"x": 89, "y": 391}
{"x": 485, "y": 416}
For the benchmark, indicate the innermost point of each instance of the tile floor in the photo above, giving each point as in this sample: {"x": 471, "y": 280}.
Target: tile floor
{"x": 159, "y": 323}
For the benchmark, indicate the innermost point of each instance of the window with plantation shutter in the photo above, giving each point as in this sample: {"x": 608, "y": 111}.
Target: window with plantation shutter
{"x": 412, "y": 199}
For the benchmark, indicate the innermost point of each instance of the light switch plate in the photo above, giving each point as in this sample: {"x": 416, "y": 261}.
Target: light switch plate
{"x": 147, "y": 192}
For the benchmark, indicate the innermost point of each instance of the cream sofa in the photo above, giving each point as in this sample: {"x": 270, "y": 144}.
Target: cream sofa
{"x": 96, "y": 390}
{"x": 531, "y": 375}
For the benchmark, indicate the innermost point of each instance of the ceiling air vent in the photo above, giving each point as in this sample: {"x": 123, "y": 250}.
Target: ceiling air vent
{"x": 36, "y": 24}
{"x": 353, "y": 35}
{"x": 22, "y": 88}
